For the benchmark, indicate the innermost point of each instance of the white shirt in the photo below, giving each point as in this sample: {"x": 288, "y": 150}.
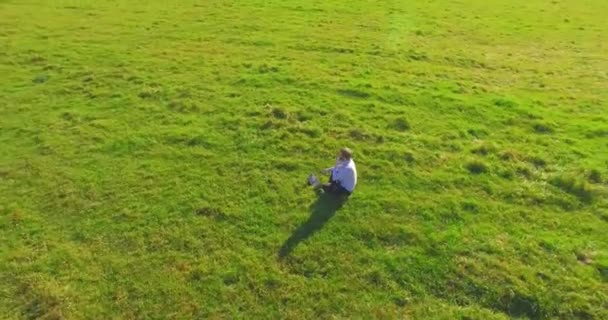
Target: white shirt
{"x": 345, "y": 173}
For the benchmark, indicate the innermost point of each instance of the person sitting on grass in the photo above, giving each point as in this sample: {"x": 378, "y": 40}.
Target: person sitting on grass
{"x": 343, "y": 176}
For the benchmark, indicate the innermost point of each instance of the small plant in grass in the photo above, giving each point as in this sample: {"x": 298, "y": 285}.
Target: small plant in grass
{"x": 409, "y": 157}
{"x": 401, "y": 124}
{"x": 524, "y": 172}
{"x": 148, "y": 93}
{"x": 41, "y": 78}
{"x": 507, "y": 174}
{"x": 579, "y": 188}
{"x": 537, "y": 161}
{"x": 505, "y": 103}
{"x": 358, "y": 134}
{"x": 484, "y": 149}
{"x": 584, "y": 257}
{"x": 595, "y": 176}
{"x": 602, "y": 268}
{"x": 279, "y": 113}
{"x": 303, "y": 116}
{"x": 509, "y": 155}
{"x": 313, "y": 132}
{"x": 477, "y": 167}
{"x": 543, "y": 128}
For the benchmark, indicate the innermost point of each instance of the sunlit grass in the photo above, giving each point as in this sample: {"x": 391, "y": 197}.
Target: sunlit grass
{"x": 154, "y": 155}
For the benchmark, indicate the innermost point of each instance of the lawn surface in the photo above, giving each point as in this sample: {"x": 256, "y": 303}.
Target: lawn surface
{"x": 153, "y": 156}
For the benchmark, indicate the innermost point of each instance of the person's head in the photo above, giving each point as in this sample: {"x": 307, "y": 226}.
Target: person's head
{"x": 345, "y": 154}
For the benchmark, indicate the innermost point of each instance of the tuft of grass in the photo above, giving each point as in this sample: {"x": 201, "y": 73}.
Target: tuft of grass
{"x": 477, "y": 167}
{"x": 358, "y": 134}
{"x": 543, "y": 128}
{"x": 149, "y": 93}
{"x": 264, "y": 68}
{"x": 507, "y": 174}
{"x": 303, "y": 116}
{"x": 41, "y": 78}
{"x": 409, "y": 157}
{"x": 505, "y": 103}
{"x": 478, "y": 133}
{"x": 279, "y": 113}
{"x": 210, "y": 212}
{"x": 595, "y": 176}
{"x": 509, "y": 155}
{"x": 603, "y": 271}
{"x": 43, "y": 300}
{"x": 524, "y": 171}
{"x": 182, "y": 106}
{"x": 537, "y": 161}
{"x": 484, "y": 149}
{"x": 354, "y": 93}
{"x": 577, "y": 187}
{"x": 311, "y": 131}
{"x": 401, "y": 124}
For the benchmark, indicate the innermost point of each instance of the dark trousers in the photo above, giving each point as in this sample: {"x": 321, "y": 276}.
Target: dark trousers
{"x": 335, "y": 188}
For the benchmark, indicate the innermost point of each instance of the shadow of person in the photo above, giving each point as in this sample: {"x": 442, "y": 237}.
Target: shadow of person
{"x": 321, "y": 211}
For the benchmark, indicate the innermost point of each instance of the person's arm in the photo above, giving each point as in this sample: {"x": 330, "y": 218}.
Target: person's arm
{"x": 328, "y": 170}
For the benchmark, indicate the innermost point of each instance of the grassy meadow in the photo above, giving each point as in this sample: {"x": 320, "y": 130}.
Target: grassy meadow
{"x": 153, "y": 159}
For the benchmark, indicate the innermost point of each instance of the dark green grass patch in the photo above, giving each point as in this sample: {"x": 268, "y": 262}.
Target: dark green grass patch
{"x": 543, "y": 128}
{"x": 477, "y": 167}
{"x": 595, "y": 176}
{"x": 401, "y": 124}
{"x": 577, "y": 187}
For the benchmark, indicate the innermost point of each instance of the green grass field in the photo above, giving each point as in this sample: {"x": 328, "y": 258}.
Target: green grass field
{"x": 153, "y": 159}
